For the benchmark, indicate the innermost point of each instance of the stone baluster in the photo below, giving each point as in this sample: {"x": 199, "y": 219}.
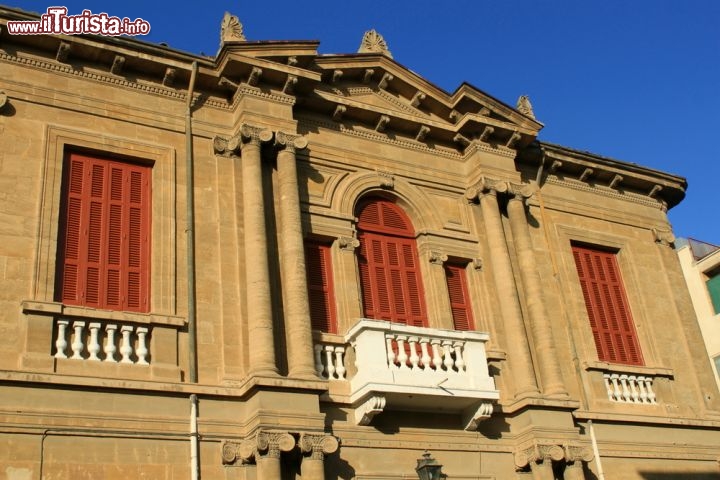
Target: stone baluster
{"x": 340, "y": 363}
{"x": 522, "y": 365}
{"x": 447, "y": 355}
{"x": 319, "y": 367}
{"x": 459, "y": 360}
{"x": 315, "y": 446}
{"x": 298, "y": 328}
{"x": 329, "y": 361}
{"x": 93, "y": 344}
{"x": 437, "y": 357}
{"x": 414, "y": 357}
{"x": 648, "y": 386}
{"x": 257, "y": 272}
{"x": 78, "y": 346}
{"x": 126, "y": 348}
{"x": 61, "y": 342}
{"x": 142, "y": 351}
{"x": 625, "y": 389}
{"x": 540, "y": 324}
{"x": 402, "y": 356}
{"x": 425, "y": 355}
{"x": 390, "y": 353}
{"x": 110, "y": 347}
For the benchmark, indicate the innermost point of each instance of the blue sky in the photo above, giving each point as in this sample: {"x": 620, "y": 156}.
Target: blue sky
{"x": 636, "y": 81}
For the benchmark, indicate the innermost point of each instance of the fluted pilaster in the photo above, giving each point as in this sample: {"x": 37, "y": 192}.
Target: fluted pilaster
{"x": 298, "y": 329}
{"x": 548, "y": 365}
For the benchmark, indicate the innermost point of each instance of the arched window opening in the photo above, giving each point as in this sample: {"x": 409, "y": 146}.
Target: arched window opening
{"x": 388, "y": 263}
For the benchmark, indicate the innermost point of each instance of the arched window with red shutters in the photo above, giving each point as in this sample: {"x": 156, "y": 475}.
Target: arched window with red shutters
{"x": 388, "y": 263}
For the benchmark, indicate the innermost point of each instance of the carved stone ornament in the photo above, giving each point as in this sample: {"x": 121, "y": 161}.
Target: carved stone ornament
{"x": 373, "y": 42}
{"x": 387, "y": 180}
{"x": 3, "y": 99}
{"x": 63, "y": 52}
{"x": 348, "y": 244}
{"x": 663, "y": 237}
{"x": 482, "y": 413}
{"x": 365, "y": 412}
{"x": 231, "y": 30}
{"x": 256, "y": 135}
{"x": 486, "y": 185}
{"x": 318, "y": 444}
{"x": 521, "y": 190}
{"x": 226, "y": 146}
{"x": 437, "y": 258}
{"x": 525, "y": 107}
{"x": 576, "y": 453}
{"x": 477, "y": 264}
{"x": 290, "y": 142}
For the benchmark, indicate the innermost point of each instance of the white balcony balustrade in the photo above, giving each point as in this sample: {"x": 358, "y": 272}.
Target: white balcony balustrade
{"x": 102, "y": 341}
{"x": 412, "y": 367}
{"x": 626, "y": 388}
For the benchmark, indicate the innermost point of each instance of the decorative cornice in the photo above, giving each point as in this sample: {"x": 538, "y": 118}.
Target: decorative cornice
{"x": 606, "y": 191}
{"x": 113, "y": 80}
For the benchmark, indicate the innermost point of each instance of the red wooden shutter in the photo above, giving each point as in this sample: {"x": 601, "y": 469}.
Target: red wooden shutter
{"x": 320, "y": 287}
{"x": 604, "y": 295}
{"x": 106, "y": 234}
{"x": 388, "y": 264}
{"x": 459, "y": 298}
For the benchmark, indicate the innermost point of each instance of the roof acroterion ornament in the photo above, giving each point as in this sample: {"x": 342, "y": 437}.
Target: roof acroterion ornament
{"x": 231, "y": 30}
{"x": 525, "y": 107}
{"x": 373, "y": 42}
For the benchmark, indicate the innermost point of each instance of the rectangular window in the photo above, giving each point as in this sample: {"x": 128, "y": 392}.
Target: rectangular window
{"x": 459, "y": 298}
{"x": 610, "y": 319}
{"x": 104, "y": 237}
{"x": 320, "y": 287}
{"x": 713, "y": 286}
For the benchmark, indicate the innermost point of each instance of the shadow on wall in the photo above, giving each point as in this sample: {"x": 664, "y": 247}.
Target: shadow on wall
{"x": 680, "y": 475}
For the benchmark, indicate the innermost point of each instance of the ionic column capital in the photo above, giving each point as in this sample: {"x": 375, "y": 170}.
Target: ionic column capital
{"x": 318, "y": 445}
{"x": 437, "y": 258}
{"x": 486, "y": 186}
{"x": 253, "y": 135}
{"x": 270, "y": 443}
{"x": 520, "y": 191}
{"x": 290, "y": 142}
{"x": 226, "y": 146}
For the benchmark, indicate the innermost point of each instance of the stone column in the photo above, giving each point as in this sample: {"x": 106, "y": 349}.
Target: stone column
{"x": 267, "y": 457}
{"x": 257, "y": 272}
{"x": 298, "y": 328}
{"x": 517, "y": 342}
{"x": 316, "y": 446}
{"x": 549, "y": 367}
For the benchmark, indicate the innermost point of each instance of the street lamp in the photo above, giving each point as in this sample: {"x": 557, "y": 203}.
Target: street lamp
{"x": 428, "y": 468}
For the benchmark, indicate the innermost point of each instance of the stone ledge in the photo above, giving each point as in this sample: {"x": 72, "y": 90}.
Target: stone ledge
{"x": 629, "y": 369}
{"x": 648, "y": 419}
{"x": 56, "y": 308}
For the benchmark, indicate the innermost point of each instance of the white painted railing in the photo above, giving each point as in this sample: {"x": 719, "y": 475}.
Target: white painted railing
{"x": 101, "y": 341}
{"x": 627, "y": 388}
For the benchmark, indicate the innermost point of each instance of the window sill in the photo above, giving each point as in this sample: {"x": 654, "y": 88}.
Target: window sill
{"x": 56, "y": 308}
{"x": 628, "y": 369}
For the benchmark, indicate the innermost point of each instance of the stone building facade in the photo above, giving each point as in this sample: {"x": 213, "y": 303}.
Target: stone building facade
{"x": 276, "y": 264}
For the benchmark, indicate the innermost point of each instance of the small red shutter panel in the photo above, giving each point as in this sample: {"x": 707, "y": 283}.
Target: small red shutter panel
{"x": 106, "y": 234}
{"x": 320, "y": 287}
{"x": 459, "y": 298}
{"x": 388, "y": 264}
{"x": 604, "y": 296}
